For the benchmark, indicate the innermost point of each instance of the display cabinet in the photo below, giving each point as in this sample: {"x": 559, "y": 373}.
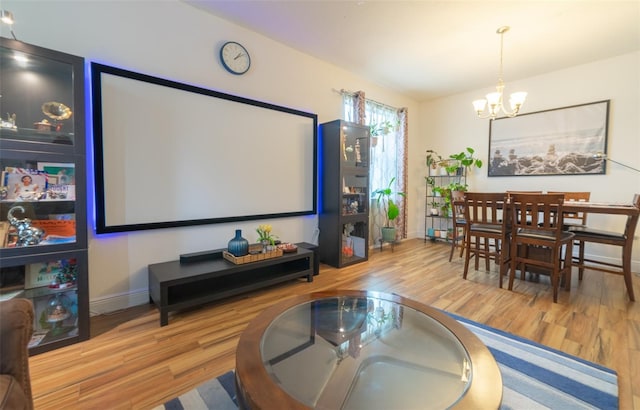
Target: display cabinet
{"x": 344, "y": 213}
{"x": 43, "y": 229}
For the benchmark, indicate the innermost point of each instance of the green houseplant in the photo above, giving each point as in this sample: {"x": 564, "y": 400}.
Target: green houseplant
{"x": 378, "y": 130}
{"x": 464, "y": 159}
{"x": 390, "y": 210}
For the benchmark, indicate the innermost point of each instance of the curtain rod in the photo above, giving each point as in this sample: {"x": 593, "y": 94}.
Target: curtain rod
{"x": 343, "y": 91}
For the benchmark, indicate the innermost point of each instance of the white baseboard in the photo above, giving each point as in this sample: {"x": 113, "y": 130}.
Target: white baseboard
{"x": 121, "y": 301}
{"x": 117, "y": 302}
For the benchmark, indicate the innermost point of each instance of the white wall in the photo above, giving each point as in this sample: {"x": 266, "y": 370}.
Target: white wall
{"x": 173, "y": 40}
{"x": 449, "y": 126}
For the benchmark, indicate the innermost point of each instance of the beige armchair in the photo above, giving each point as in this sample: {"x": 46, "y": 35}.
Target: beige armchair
{"x": 16, "y": 328}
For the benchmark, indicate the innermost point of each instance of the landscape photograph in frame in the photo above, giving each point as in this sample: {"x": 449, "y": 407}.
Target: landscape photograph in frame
{"x": 562, "y": 141}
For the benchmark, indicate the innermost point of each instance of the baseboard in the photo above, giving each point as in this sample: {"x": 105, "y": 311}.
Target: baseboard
{"x": 121, "y": 301}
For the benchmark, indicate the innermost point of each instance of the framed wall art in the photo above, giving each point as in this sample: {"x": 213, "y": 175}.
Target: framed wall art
{"x": 561, "y": 141}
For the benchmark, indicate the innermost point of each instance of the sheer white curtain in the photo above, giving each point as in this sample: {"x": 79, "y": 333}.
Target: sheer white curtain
{"x": 387, "y": 156}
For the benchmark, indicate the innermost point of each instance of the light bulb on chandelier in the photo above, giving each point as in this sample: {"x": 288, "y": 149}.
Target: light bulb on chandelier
{"x": 495, "y": 100}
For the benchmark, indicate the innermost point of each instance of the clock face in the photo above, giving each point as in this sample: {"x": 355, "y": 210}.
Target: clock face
{"x": 235, "y": 58}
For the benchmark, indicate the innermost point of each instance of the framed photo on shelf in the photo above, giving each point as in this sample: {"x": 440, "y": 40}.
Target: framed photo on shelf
{"x": 561, "y": 141}
{"x": 63, "y": 173}
{"x": 24, "y": 185}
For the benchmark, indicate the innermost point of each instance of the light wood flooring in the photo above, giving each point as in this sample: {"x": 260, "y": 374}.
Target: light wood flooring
{"x": 132, "y": 363}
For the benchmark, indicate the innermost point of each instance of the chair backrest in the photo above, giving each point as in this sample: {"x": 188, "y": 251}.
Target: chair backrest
{"x": 543, "y": 210}
{"x": 457, "y": 206}
{"x": 510, "y": 192}
{"x": 487, "y": 208}
{"x": 579, "y": 196}
{"x": 632, "y": 221}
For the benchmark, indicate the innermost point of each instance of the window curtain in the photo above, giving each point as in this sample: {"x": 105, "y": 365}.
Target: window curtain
{"x": 388, "y": 155}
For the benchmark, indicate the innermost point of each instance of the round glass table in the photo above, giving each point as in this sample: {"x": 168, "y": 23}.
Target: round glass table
{"x": 362, "y": 350}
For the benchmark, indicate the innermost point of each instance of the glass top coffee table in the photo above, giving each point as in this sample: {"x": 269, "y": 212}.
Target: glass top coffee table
{"x": 362, "y": 350}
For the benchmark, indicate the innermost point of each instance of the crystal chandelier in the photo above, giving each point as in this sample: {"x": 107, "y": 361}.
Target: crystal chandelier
{"x": 495, "y": 99}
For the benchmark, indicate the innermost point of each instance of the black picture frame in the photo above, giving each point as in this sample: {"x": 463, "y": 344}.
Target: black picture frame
{"x": 560, "y": 141}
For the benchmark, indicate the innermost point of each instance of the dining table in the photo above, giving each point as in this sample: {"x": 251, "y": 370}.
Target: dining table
{"x": 625, "y": 209}
{"x": 613, "y": 208}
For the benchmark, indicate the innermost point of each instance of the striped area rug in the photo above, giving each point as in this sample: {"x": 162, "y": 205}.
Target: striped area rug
{"x": 533, "y": 376}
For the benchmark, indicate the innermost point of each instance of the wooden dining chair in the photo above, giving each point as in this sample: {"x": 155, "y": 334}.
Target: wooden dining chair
{"x": 541, "y": 241}
{"x": 574, "y": 219}
{"x": 622, "y": 239}
{"x": 459, "y": 223}
{"x": 510, "y": 192}
{"x": 487, "y": 231}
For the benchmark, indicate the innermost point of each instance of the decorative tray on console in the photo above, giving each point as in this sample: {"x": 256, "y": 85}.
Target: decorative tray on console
{"x": 252, "y": 256}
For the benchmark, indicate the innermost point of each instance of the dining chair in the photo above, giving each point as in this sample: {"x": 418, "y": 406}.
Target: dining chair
{"x": 540, "y": 242}
{"x": 573, "y": 219}
{"x": 486, "y": 231}
{"x": 510, "y": 192}
{"x": 458, "y": 222}
{"x": 622, "y": 239}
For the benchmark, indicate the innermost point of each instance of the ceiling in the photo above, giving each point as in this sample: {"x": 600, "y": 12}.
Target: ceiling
{"x": 430, "y": 49}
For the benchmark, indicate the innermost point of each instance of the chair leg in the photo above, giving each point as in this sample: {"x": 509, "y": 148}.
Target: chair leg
{"x": 454, "y": 240}
{"x": 558, "y": 272}
{"x": 580, "y": 259}
{"x": 466, "y": 259}
{"x": 626, "y": 269}
{"x": 487, "y": 250}
{"x": 512, "y": 270}
{"x": 568, "y": 265}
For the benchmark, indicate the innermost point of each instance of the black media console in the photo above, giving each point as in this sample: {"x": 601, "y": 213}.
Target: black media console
{"x": 203, "y": 277}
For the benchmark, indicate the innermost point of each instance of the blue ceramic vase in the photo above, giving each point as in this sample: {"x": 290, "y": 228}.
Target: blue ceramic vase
{"x": 238, "y": 246}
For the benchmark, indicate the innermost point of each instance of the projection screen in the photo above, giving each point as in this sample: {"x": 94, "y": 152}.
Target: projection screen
{"x": 168, "y": 154}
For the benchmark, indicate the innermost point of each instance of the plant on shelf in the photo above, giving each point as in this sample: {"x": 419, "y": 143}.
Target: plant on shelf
{"x": 446, "y": 194}
{"x": 434, "y": 208}
{"x": 265, "y": 236}
{"x": 390, "y": 209}
{"x": 433, "y": 159}
{"x": 464, "y": 159}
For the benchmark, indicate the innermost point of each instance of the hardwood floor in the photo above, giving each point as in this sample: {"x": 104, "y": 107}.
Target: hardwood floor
{"x": 132, "y": 363}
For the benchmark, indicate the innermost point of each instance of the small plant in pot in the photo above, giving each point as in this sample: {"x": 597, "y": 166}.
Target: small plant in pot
{"x": 378, "y": 130}
{"x": 390, "y": 210}
{"x": 433, "y": 160}
{"x": 434, "y": 208}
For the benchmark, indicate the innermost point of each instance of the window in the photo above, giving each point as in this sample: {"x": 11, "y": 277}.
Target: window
{"x": 387, "y": 156}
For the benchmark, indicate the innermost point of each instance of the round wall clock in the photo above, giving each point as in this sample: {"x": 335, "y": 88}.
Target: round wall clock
{"x": 235, "y": 58}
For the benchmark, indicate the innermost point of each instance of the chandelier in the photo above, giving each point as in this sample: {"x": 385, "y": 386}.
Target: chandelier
{"x": 495, "y": 99}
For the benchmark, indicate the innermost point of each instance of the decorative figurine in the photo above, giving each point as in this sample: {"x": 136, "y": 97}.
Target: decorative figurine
{"x": 10, "y": 123}
{"x": 27, "y": 234}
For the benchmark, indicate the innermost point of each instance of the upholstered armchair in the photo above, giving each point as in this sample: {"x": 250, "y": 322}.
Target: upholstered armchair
{"x": 16, "y": 328}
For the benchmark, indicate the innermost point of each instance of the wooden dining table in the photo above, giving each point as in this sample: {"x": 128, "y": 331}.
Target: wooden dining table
{"x": 609, "y": 208}
{"x": 613, "y": 208}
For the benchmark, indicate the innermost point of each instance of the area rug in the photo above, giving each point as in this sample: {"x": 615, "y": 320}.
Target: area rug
{"x": 533, "y": 376}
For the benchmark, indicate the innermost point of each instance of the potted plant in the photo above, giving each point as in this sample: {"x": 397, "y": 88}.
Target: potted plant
{"x": 379, "y": 129}
{"x": 434, "y": 208}
{"x": 390, "y": 210}
{"x": 433, "y": 160}
{"x": 464, "y": 159}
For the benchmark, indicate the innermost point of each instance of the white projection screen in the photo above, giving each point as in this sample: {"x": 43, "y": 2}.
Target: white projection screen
{"x": 168, "y": 154}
